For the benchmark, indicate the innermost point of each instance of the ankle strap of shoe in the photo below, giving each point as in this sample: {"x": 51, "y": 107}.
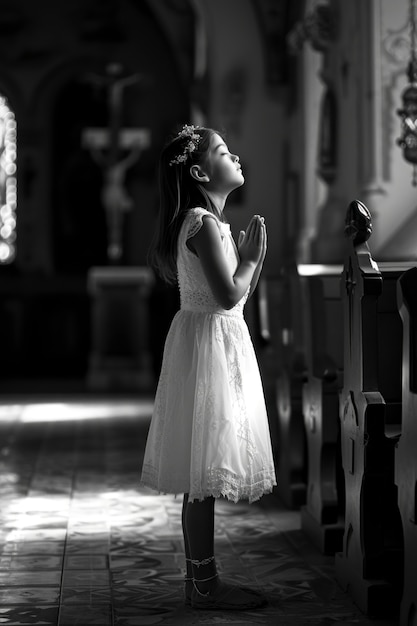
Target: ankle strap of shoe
{"x": 197, "y": 563}
{"x": 202, "y": 580}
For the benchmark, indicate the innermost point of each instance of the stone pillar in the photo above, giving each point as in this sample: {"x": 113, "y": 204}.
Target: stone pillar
{"x": 350, "y": 146}
{"x": 370, "y": 97}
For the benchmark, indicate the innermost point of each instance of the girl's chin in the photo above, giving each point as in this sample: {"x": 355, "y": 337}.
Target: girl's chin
{"x": 237, "y": 184}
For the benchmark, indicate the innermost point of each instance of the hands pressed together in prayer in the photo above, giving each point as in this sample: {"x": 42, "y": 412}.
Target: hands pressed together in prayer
{"x": 252, "y": 243}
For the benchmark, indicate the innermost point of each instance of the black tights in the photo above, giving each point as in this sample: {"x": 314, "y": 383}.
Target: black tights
{"x": 198, "y": 531}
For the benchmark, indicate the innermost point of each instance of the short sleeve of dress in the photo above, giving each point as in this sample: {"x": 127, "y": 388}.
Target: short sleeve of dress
{"x": 195, "y": 221}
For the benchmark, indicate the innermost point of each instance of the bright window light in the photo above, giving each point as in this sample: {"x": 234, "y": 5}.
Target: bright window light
{"x": 316, "y": 269}
{"x": 8, "y": 183}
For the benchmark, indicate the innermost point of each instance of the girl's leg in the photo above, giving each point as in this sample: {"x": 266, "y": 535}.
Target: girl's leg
{"x": 198, "y": 531}
{"x": 189, "y": 568}
{"x": 198, "y": 528}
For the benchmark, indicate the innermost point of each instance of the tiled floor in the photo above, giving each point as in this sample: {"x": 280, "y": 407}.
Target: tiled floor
{"x": 81, "y": 543}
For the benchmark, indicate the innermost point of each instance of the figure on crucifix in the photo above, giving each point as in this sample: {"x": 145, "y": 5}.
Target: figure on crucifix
{"x": 115, "y": 149}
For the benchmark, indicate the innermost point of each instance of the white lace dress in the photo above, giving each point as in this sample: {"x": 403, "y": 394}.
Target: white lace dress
{"x": 209, "y": 433}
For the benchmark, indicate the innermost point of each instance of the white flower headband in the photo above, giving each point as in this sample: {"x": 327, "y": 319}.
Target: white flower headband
{"x": 190, "y": 146}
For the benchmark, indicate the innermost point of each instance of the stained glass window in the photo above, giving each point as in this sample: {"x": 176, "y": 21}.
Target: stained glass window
{"x": 8, "y": 183}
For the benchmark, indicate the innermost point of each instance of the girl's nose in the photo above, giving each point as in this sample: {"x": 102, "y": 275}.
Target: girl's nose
{"x": 236, "y": 158}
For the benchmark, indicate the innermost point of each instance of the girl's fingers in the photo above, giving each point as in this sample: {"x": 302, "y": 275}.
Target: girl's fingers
{"x": 263, "y": 227}
{"x": 261, "y": 234}
{"x": 255, "y": 232}
{"x": 250, "y": 227}
{"x": 258, "y": 227}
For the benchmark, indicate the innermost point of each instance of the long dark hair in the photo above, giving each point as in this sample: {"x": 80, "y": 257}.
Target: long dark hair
{"x": 178, "y": 193}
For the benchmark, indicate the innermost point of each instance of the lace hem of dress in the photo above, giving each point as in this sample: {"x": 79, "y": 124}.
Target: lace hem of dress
{"x": 220, "y": 483}
{"x": 224, "y": 483}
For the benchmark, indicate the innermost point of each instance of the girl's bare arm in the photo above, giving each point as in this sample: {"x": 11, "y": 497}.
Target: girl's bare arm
{"x": 228, "y": 288}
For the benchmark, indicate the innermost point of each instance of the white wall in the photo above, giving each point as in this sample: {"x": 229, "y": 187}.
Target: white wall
{"x": 253, "y": 122}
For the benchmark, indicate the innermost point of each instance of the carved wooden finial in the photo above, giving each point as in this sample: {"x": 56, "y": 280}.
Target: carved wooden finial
{"x": 358, "y": 222}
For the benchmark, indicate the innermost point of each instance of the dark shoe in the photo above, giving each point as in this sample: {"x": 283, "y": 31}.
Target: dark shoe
{"x": 227, "y": 597}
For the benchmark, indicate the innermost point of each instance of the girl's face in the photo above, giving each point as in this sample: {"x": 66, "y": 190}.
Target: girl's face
{"x": 223, "y": 168}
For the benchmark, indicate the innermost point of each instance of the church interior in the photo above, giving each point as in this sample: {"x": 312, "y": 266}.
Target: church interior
{"x": 319, "y": 100}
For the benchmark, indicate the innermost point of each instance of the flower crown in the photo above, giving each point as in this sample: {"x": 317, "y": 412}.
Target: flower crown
{"x": 190, "y": 146}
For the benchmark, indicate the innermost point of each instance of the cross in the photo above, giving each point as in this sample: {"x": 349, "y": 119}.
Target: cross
{"x": 108, "y": 147}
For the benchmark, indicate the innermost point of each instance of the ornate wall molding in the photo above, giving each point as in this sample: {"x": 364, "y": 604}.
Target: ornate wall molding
{"x": 395, "y": 54}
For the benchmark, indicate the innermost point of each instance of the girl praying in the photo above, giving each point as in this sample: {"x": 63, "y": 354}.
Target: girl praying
{"x": 209, "y": 434}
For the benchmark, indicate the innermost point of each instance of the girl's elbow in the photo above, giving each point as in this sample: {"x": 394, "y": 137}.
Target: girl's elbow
{"x": 229, "y": 305}
{"x": 228, "y": 295}
{"x": 228, "y": 300}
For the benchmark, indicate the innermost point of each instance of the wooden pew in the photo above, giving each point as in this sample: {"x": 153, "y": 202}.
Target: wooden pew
{"x": 322, "y": 516}
{"x": 406, "y": 452}
{"x": 369, "y": 566}
{"x": 263, "y": 321}
{"x": 292, "y": 469}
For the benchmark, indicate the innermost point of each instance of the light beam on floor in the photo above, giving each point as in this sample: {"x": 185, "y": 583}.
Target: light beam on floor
{"x": 30, "y": 412}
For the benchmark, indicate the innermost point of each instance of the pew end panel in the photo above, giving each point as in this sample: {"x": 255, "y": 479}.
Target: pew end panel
{"x": 292, "y": 460}
{"x": 263, "y": 318}
{"x": 368, "y": 566}
{"x": 406, "y": 453}
{"x": 370, "y": 418}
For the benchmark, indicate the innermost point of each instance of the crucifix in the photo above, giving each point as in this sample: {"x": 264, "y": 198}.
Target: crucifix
{"x": 115, "y": 149}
